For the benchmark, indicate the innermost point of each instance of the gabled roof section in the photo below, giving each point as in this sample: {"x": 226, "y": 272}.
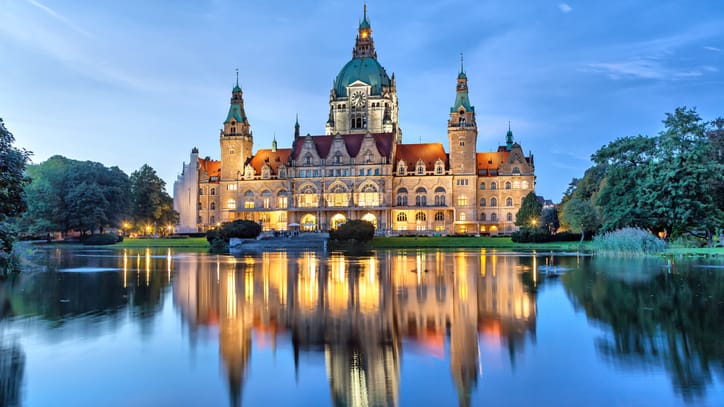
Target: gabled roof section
{"x": 273, "y": 158}
{"x": 212, "y": 168}
{"x": 429, "y": 153}
{"x": 352, "y": 142}
{"x": 488, "y": 162}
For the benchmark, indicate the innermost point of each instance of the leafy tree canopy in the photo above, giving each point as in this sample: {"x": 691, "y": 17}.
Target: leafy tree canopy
{"x": 12, "y": 183}
{"x": 150, "y": 204}
{"x": 529, "y": 212}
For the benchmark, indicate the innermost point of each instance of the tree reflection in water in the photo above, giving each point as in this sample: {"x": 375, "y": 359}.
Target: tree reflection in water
{"x": 656, "y": 313}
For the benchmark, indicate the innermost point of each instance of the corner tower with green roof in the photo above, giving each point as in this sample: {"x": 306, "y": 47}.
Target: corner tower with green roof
{"x": 462, "y": 131}
{"x": 363, "y": 98}
{"x": 235, "y": 138}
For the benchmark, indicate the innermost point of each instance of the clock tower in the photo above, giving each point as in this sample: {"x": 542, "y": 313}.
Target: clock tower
{"x": 364, "y": 97}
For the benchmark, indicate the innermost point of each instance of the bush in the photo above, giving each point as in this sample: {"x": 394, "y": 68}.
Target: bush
{"x": 359, "y": 230}
{"x": 101, "y": 239}
{"x": 629, "y": 242}
{"x": 531, "y": 235}
{"x": 244, "y": 229}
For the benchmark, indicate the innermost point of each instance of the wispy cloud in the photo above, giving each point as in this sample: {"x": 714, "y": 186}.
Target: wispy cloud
{"x": 712, "y": 49}
{"x": 68, "y": 23}
{"x": 565, "y": 7}
{"x": 646, "y": 68}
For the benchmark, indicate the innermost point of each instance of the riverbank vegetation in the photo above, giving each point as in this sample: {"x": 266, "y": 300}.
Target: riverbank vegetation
{"x": 628, "y": 242}
{"x": 671, "y": 184}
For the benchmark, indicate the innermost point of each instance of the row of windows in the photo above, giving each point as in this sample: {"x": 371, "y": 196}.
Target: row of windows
{"x": 494, "y": 201}
{"x": 507, "y": 185}
{"x": 462, "y": 182}
{"x": 494, "y": 217}
{"x": 421, "y": 217}
{"x": 419, "y": 169}
{"x": 337, "y": 173}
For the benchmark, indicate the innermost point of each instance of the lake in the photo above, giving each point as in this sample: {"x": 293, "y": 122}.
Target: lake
{"x": 142, "y": 327}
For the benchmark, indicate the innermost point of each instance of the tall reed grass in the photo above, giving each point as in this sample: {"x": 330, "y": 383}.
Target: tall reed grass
{"x": 628, "y": 242}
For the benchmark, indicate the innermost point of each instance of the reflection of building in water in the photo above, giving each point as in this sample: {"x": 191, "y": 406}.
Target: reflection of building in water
{"x": 356, "y": 311}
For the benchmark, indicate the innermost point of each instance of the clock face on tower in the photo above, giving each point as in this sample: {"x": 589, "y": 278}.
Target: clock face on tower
{"x": 358, "y": 99}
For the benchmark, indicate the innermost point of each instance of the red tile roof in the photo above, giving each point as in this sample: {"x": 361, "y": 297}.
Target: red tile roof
{"x": 211, "y": 167}
{"x": 491, "y": 160}
{"x": 429, "y": 153}
{"x": 274, "y": 158}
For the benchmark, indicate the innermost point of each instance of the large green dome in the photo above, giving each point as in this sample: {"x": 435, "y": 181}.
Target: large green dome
{"x": 367, "y": 70}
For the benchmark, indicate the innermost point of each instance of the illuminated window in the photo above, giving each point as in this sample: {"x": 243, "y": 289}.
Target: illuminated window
{"x": 369, "y": 196}
{"x": 420, "y": 216}
{"x": 462, "y": 200}
{"x": 516, "y": 185}
{"x": 338, "y": 196}
{"x": 231, "y": 203}
{"x": 402, "y": 217}
{"x": 524, "y": 185}
{"x": 462, "y": 216}
{"x": 249, "y": 200}
{"x": 439, "y": 217}
{"x": 231, "y": 187}
{"x": 266, "y": 199}
{"x": 282, "y": 199}
{"x": 308, "y": 198}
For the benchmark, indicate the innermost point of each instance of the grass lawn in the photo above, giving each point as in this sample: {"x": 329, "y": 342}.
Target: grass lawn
{"x": 695, "y": 251}
{"x": 195, "y": 242}
{"x": 467, "y": 242}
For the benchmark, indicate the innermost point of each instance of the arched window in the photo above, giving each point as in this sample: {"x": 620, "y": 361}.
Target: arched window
{"x": 368, "y": 196}
{"x": 282, "y": 199}
{"x": 249, "y": 200}
{"x": 266, "y": 199}
{"x": 401, "y": 168}
{"x": 402, "y": 217}
{"x": 509, "y": 201}
{"x": 494, "y": 217}
{"x": 212, "y": 206}
{"x": 493, "y": 202}
{"x": 482, "y": 201}
{"x": 308, "y": 159}
{"x": 402, "y": 197}
{"x": 508, "y": 185}
{"x": 493, "y": 185}
{"x": 482, "y": 185}
{"x": 231, "y": 203}
{"x": 308, "y": 198}
{"x": 201, "y": 206}
{"x": 524, "y": 185}
{"x": 421, "y": 197}
{"x": 509, "y": 217}
{"x": 439, "y": 216}
{"x": 420, "y": 168}
{"x": 439, "y": 196}
{"x": 212, "y": 191}
{"x": 439, "y": 167}
{"x": 482, "y": 216}
{"x": 420, "y": 216}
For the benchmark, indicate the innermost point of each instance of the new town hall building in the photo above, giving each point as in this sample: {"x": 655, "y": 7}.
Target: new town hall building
{"x": 359, "y": 169}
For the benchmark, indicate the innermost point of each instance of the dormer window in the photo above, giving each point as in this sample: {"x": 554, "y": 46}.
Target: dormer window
{"x": 439, "y": 169}
{"x": 282, "y": 172}
{"x": 337, "y": 158}
{"x": 368, "y": 157}
{"x": 308, "y": 159}
{"x": 420, "y": 168}
{"x": 402, "y": 168}
{"x": 265, "y": 172}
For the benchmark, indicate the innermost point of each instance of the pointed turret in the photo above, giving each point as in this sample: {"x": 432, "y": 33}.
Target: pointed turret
{"x": 461, "y": 92}
{"x": 296, "y": 127}
{"x": 509, "y": 139}
{"x": 365, "y": 46}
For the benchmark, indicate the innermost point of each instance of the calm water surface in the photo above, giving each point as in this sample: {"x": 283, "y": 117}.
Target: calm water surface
{"x": 411, "y": 328}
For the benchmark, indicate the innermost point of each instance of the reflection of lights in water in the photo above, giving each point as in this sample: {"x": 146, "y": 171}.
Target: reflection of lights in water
{"x": 483, "y": 262}
{"x": 231, "y": 294}
{"x": 148, "y": 266}
{"x": 218, "y": 269}
{"x": 125, "y": 268}
{"x": 494, "y": 262}
{"x": 419, "y": 260}
{"x": 168, "y": 264}
{"x": 308, "y": 286}
{"x": 249, "y": 285}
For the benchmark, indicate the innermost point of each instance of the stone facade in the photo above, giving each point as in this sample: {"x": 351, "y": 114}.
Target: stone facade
{"x": 359, "y": 169}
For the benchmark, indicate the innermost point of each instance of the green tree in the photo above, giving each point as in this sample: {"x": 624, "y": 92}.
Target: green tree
{"x": 549, "y": 219}
{"x": 75, "y": 195}
{"x": 530, "y": 210}
{"x": 12, "y": 183}
{"x": 151, "y": 205}
{"x": 355, "y": 229}
{"x": 580, "y": 216}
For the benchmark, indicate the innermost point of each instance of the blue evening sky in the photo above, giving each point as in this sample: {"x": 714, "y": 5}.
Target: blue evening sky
{"x": 133, "y": 82}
